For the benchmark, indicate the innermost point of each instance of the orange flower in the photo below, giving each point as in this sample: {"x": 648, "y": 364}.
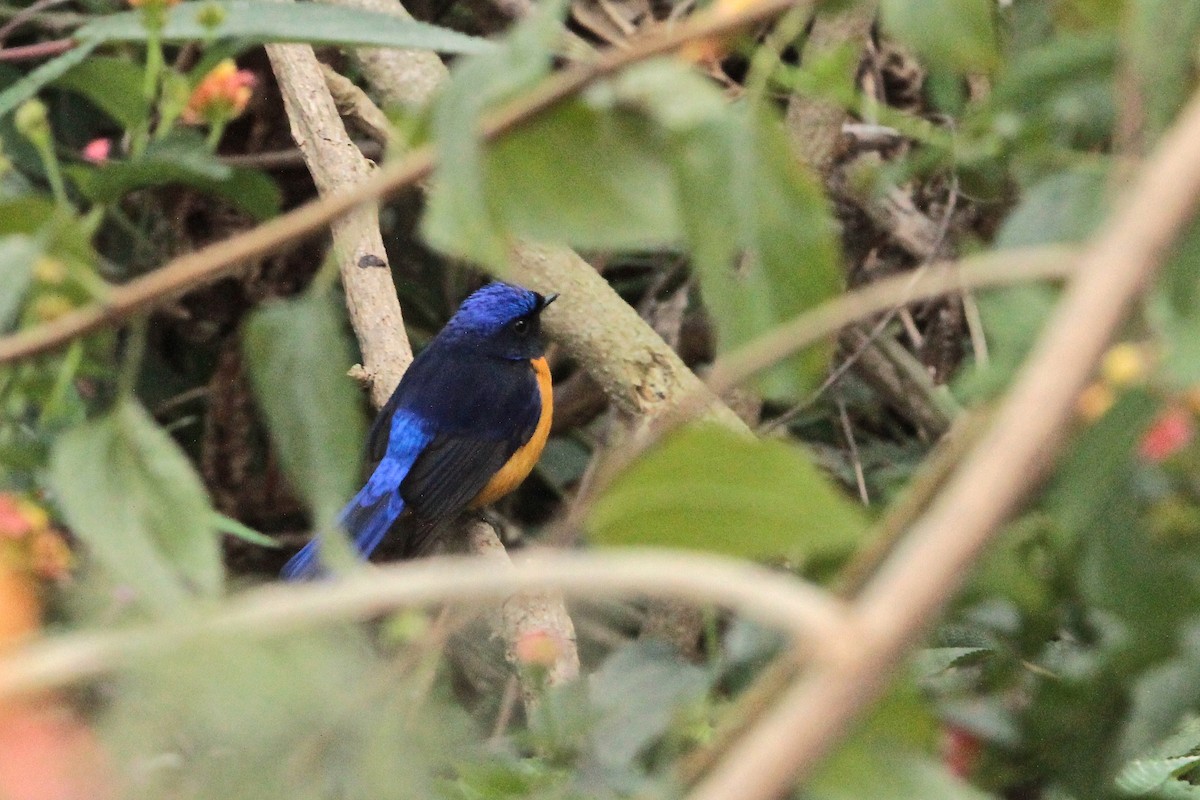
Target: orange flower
{"x": 1094, "y": 402}
{"x": 29, "y": 547}
{"x": 221, "y": 95}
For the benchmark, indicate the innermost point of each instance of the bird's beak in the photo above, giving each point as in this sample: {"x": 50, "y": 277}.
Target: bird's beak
{"x": 547, "y": 300}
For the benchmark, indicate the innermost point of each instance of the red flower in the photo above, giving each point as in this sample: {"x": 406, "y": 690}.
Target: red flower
{"x": 1170, "y": 433}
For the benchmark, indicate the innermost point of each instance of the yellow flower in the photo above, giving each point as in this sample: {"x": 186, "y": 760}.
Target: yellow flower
{"x": 1124, "y": 365}
{"x": 220, "y": 96}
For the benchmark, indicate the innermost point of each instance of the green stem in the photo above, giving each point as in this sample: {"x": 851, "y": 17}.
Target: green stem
{"x": 131, "y": 366}
{"x": 53, "y": 173}
{"x": 153, "y": 19}
{"x": 215, "y": 132}
{"x": 66, "y": 374}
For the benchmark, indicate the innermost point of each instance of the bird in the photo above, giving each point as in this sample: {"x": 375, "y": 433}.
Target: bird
{"x": 464, "y": 427}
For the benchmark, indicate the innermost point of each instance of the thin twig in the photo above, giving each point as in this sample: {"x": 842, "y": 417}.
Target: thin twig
{"x": 25, "y": 15}
{"x": 925, "y": 571}
{"x": 194, "y": 269}
{"x": 29, "y": 52}
{"x": 999, "y": 268}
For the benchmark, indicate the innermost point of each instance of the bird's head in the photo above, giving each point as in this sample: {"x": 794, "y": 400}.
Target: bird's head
{"x": 500, "y": 320}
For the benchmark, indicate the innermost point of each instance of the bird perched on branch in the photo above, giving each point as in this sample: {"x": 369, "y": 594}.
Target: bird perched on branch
{"x": 464, "y": 427}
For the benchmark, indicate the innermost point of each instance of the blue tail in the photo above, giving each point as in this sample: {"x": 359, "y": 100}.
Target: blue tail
{"x": 368, "y": 517}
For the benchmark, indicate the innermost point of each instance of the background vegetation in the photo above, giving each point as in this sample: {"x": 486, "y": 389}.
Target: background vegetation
{"x": 879, "y": 323}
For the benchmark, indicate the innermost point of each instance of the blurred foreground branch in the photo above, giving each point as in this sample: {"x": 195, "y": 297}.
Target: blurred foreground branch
{"x": 927, "y": 568}
{"x": 806, "y": 613}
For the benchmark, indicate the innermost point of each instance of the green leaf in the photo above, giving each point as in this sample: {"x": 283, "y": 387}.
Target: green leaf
{"x": 17, "y": 256}
{"x": 132, "y": 497}
{"x": 793, "y": 261}
{"x": 951, "y": 35}
{"x": 1142, "y": 777}
{"x": 638, "y": 691}
{"x": 231, "y": 526}
{"x": 887, "y": 758}
{"x": 314, "y": 23}
{"x": 705, "y": 488}
{"x": 180, "y": 160}
{"x": 598, "y": 180}
{"x": 1160, "y": 697}
{"x": 114, "y": 85}
{"x": 298, "y": 355}
{"x": 1097, "y": 466}
{"x": 461, "y": 217}
{"x": 41, "y": 77}
{"x": 1062, "y": 208}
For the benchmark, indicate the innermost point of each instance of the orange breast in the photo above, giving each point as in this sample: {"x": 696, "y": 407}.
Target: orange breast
{"x": 521, "y": 463}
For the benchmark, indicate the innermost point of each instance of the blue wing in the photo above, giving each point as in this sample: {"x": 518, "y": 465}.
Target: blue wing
{"x": 377, "y": 506}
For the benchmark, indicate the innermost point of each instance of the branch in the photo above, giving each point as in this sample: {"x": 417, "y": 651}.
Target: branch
{"x": 336, "y": 164}
{"x": 808, "y": 614}
{"x": 999, "y": 268}
{"x": 215, "y": 261}
{"x": 927, "y": 568}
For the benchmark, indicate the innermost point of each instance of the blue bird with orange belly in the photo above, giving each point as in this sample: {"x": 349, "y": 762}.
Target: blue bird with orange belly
{"x": 464, "y": 427}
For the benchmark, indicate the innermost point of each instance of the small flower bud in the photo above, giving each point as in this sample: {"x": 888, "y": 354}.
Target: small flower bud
{"x": 32, "y": 121}
{"x": 538, "y": 649}
{"x": 220, "y": 96}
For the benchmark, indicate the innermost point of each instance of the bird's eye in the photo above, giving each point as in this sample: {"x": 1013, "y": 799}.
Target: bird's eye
{"x": 521, "y": 326}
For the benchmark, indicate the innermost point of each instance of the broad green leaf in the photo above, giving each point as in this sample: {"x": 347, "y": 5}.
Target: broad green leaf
{"x": 793, "y": 259}
{"x": 114, "y": 85}
{"x": 461, "y": 217}
{"x": 298, "y": 355}
{"x": 952, "y": 35}
{"x": 181, "y": 160}
{"x": 1062, "y": 208}
{"x": 1098, "y": 463}
{"x": 314, "y": 714}
{"x": 638, "y": 691}
{"x": 133, "y": 498}
{"x": 314, "y": 23}
{"x": 598, "y": 180}
{"x": 705, "y": 488}
{"x": 17, "y": 256}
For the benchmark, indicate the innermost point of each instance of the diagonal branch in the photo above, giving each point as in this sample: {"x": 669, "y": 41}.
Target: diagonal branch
{"x": 929, "y": 566}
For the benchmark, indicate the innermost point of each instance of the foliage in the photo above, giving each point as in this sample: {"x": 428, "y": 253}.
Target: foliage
{"x": 174, "y": 446}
